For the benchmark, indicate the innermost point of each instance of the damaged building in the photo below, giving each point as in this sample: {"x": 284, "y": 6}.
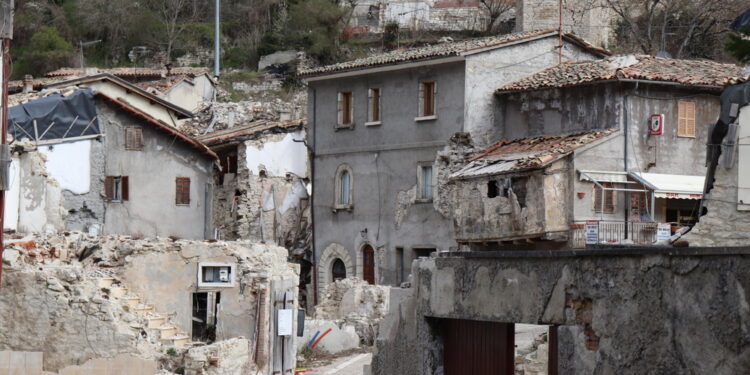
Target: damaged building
{"x": 101, "y": 155}
{"x": 376, "y": 125}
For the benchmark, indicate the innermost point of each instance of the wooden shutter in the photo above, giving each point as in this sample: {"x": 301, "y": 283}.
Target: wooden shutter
{"x": 182, "y": 191}
{"x": 109, "y": 187}
{"x": 340, "y": 109}
{"x": 686, "y": 119}
{"x": 421, "y": 99}
{"x": 124, "y": 188}
{"x": 134, "y": 138}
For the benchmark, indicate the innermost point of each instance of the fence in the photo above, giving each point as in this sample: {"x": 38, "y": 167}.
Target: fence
{"x": 616, "y": 233}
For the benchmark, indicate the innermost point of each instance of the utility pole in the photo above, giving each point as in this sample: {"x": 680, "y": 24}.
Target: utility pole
{"x": 217, "y": 45}
{"x": 6, "y": 34}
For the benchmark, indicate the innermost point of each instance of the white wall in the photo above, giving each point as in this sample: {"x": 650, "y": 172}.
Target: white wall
{"x": 70, "y": 165}
{"x": 279, "y": 158}
{"x": 13, "y": 196}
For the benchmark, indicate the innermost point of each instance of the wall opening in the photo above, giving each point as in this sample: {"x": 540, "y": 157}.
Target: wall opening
{"x": 205, "y": 316}
{"x": 400, "y": 264}
{"x": 368, "y": 264}
{"x": 518, "y": 185}
{"x": 338, "y": 270}
{"x": 423, "y": 252}
{"x": 228, "y": 160}
{"x": 492, "y": 189}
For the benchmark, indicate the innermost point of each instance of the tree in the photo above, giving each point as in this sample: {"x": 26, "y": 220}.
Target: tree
{"x": 739, "y": 46}
{"x": 175, "y": 16}
{"x": 495, "y": 9}
{"x": 46, "y": 51}
{"x": 315, "y": 26}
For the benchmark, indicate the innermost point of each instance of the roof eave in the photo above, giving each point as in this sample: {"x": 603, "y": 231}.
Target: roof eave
{"x": 613, "y": 80}
{"x": 436, "y": 60}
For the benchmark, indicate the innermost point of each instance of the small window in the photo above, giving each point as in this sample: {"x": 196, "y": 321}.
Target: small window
{"x": 338, "y": 270}
{"x": 345, "y": 109}
{"x": 425, "y": 181}
{"x": 215, "y": 274}
{"x": 134, "y": 138}
{"x": 492, "y": 189}
{"x": 343, "y": 185}
{"x": 116, "y": 188}
{"x": 686, "y": 119}
{"x": 373, "y": 112}
{"x": 427, "y": 94}
{"x": 182, "y": 191}
{"x": 609, "y": 198}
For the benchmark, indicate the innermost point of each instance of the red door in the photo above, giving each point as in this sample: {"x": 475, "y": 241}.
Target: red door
{"x": 368, "y": 264}
{"x": 478, "y": 348}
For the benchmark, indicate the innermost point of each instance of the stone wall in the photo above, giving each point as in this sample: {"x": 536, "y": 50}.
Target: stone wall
{"x": 619, "y": 311}
{"x": 590, "y": 19}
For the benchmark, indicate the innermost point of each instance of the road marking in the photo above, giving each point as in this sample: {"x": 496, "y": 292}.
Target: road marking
{"x": 345, "y": 364}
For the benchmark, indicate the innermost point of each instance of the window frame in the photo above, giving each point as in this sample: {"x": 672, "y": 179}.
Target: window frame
{"x": 374, "y": 106}
{"x": 610, "y": 204}
{"x": 338, "y": 186}
{"x": 420, "y": 182}
{"x": 423, "y": 114}
{"x": 116, "y": 189}
{"x": 686, "y": 129}
{"x": 179, "y": 198}
{"x": 213, "y": 284}
{"x": 345, "y": 106}
{"x": 138, "y": 137}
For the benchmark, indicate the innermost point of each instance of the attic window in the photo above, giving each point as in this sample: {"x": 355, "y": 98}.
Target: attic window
{"x": 686, "y": 119}
{"x": 182, "y": 191}
{"x": 134, "y": 138}
{"x": 116, "y": 188}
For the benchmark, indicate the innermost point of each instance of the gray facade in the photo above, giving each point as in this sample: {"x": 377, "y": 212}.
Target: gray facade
{"x": 384, "y": 159}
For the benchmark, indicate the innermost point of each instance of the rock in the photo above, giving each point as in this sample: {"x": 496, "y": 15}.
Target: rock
{"x": 10, "y": 256}
{"x": 98, "y": 300}
{"x": 276, "y": 58}
{"x": 55, "y": 287}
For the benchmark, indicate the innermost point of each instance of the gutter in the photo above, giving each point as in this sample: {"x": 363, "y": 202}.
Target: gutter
{"x": 384, "y": 68}
{"x": 612, "y": 80}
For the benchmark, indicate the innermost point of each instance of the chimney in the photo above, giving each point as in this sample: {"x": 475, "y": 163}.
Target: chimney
{"x": 28, "y": 84}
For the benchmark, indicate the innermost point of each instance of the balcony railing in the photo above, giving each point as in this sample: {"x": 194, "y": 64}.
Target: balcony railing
{"x": 616, "y": 233}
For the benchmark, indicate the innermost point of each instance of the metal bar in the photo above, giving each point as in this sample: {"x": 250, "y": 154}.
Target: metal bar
{"x": 70, "y": 127}
{"x": 46, "y": 130}
{"x": 71, "y": 139}
{"x": 36, "y": 132}
{"x": 16, "y": 126}
{"x": 4, "y": 136}
{"x": 89, "y": 125}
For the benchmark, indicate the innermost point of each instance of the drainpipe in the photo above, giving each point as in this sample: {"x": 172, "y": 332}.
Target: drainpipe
{"x": 626, "y": 127}
{"x": 312, "y": 195}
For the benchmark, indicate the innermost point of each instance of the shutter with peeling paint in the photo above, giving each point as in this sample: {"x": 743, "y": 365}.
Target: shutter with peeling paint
{"x": 182, "y": 191}
{"x": 124, "y": 185}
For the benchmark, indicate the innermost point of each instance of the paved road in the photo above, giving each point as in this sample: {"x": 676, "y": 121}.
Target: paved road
{"x": 351, "y": 365}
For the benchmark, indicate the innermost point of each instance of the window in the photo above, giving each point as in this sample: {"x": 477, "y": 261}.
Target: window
{"x": 424, "y": 182}
{"x": 338, "y": 270}
{"x": 492, "y": 189}
{"x": 134, "y": 138}
{"x": 182, "y": 191}
{"x": 116, "y": 188}
{"x": 345, "y": 110}
{"x": 343, "y": 186}
{"x": 427, "y": 93}
{"x": 609, "y": 198}
{"x": 373, "y": 112}
{"x": 686, "y": 119}
{"x": 215, "y": 274}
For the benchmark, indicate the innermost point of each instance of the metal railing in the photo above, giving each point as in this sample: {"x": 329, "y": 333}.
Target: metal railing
{"x": 616, "y": 233}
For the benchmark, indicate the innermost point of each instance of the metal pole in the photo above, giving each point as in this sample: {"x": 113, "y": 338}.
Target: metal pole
{"x": 4, "y": 139}
{"x": 217, "y": 48}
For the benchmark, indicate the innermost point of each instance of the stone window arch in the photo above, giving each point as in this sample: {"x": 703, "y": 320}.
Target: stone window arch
{"x": 328, "y": 257}
{"x": 338, "y": 269}
{"x": 344, "y": 185}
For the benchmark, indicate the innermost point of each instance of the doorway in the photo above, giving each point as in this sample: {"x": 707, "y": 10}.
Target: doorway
{"x": 368, "y": 264}
{"x": 478, "y": 348}
{"x": 205, "y": 316}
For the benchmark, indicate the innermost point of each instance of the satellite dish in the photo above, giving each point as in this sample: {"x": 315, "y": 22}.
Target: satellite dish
{"x": 664, "y": 54}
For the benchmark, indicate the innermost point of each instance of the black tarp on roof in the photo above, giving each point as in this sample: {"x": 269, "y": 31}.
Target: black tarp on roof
{"x": 742, "y": 22}
{"x": 56, "y": 116}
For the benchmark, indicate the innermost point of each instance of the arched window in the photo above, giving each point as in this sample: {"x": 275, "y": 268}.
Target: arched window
{"x": 344, "y": 182}
{"x": 338, "y": 270}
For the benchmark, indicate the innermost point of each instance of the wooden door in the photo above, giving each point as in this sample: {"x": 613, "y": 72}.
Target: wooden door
{"x": 478, "y": 348}
{"x": 368, "y": 264}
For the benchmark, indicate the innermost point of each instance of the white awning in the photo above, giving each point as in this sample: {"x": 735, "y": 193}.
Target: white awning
{"x": 673, "y": 186}
{"x": 604, "y": 176}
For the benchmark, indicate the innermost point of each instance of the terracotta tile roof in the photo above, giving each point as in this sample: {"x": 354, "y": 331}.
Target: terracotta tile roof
{"x": 641, "y": 67}
{"x": 248, "y": 131}
{"x": 443, "y": 50}
{"x": 130, "y": 72}
{"x": 507, "y": 156}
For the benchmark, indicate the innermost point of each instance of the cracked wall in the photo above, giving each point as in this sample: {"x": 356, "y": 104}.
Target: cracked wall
{"x": 663, "y": 312}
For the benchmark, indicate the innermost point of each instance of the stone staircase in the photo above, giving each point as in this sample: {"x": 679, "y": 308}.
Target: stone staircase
{"x": 159, "y": 327}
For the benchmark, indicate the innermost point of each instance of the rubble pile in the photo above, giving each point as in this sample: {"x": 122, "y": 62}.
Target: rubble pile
{"x": 533, "y": 360}
{"x": 354, "y": 302}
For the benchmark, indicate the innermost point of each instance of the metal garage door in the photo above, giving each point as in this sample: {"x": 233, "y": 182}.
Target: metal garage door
{"x": 478, "y": 348}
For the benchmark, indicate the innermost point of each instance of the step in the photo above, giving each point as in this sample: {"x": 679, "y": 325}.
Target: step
{"x": 167, "y": 332}
{"x": 180, "y": 341}
{"x": 105, "y": 282}
{"x": 118, "y": 291}
{"x": 133, "y": 301}
{"x": 155, "y": 321}
{"x": 142, "y": 310}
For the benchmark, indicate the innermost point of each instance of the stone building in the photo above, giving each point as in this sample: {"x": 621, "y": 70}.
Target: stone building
{"x": 554, "y": 171}
{"x": 115, "y": 163}
{"x": 375, "y": 126}
{"x": 591, "y": 19}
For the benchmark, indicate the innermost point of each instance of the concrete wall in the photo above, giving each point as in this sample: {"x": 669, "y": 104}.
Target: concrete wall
{"x": 384, "y": 163}
{"x": 623, "y": 312}
{"x": 191, "y": 93}
{"x": 151, "y": 209}
{"x": 40, "y": 201}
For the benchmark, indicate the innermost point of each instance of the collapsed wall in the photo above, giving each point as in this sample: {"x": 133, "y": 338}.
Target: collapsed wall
{"x": 77, "y": 297}
{"x": 354, "y": 302}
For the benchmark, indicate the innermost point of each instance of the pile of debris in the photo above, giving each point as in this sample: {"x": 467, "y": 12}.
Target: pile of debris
{"x": 354, "y": 302}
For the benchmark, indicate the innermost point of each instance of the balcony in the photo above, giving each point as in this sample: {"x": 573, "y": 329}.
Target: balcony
{"x": 615, "y": 233}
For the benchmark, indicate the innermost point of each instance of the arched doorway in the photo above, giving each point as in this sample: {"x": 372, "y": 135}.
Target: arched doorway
{"x": 338, "y": 270}
{"x": 368, "y": 264}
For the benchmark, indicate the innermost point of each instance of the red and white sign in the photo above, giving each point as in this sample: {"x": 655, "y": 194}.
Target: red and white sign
{"x": 656, "y": 124}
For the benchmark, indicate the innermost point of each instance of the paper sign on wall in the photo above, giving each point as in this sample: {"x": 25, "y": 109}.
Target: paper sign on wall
{"x": 286, "y": 317}
{"x": 663, "y": 232}
{"x": 592, "y": 232}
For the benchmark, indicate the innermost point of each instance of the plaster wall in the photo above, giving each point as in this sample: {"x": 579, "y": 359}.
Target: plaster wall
{"x": 13, "y": 195}
{"x": 487, "y": 71}
{"x": 625, "y": 313}
{"x": 151, "y": 209}
{"x": 158, "y": 112}
{"x": 191, "y": 93}
{"x": 41, "y": 201}
{"x": 278, "y": 155}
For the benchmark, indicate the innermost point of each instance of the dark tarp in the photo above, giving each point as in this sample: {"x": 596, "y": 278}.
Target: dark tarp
{"x": 56, "y": 117}
{"x": 742, "y": 22}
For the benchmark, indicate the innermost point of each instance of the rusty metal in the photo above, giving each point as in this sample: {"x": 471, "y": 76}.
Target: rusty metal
{"x": 478, "y": 348}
